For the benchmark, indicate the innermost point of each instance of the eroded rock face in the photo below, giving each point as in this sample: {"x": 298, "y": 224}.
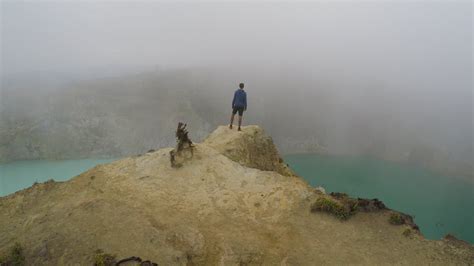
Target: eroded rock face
{"x": 250, "y": 147}
{"x": 213, "y": 210}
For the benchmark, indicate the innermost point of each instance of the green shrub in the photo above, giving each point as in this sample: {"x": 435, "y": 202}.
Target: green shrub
{"x": 407, "y": 232}
{"x": 15, "y": 256}
{"x": 103, "y": 259}
{"x": 334, "y": 207}
{"x": 396, "y": 219}
{"x": 353, "y": 204}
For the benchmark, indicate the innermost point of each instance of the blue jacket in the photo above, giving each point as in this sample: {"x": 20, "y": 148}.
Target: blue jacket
{"x": 240, "y": 99}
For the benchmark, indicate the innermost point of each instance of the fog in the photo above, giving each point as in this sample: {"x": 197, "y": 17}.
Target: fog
{"x": 389, "y": 79}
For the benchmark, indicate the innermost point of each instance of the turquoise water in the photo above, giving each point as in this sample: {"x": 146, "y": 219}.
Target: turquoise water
{"x": 439, "y": 204}
{"x": 22, "y": 174}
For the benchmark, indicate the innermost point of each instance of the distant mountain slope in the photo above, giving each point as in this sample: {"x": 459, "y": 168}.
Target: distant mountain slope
{"x": 130, "y": 114}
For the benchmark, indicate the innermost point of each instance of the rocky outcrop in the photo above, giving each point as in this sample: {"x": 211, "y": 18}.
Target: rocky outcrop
{"x": 232, "y": 203}
{"x": 250, "y": 147}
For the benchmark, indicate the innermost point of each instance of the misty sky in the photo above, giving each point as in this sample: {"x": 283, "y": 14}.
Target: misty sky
{"x": 380, "y": 39}
{"x": 418, "y": 53}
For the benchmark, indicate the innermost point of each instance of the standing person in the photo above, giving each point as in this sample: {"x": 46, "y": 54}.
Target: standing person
{"x": 239, "y": 104}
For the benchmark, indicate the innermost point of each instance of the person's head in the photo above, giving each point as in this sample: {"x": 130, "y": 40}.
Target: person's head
{"x": 241, "y": 85}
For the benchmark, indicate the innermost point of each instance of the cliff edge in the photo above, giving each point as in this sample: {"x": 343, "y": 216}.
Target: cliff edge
{"x": 234, "y": 202}
{"x": 250, "y": 147}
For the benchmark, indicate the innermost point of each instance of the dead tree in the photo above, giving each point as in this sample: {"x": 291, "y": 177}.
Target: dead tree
{"x": 182, "y": 137}
{"x": 184, "y": 144}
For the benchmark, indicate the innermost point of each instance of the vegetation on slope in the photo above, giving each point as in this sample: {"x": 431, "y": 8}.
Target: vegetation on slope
{"x": 15, "y": 256}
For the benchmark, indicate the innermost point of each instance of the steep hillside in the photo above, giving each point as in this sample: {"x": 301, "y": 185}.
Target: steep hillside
{"x": 233, "y": 203}
{"x": 131, "y": 113}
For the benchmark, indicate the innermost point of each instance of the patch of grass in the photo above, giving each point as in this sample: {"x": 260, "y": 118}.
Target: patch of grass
{"x": 103, "y": 259}
{"x": 338, "y": 209}
{"x": 407, "y": 232}
{"x": 396, "y": 219}
{"x": 15, "y": 257}
{"x": 352, "y": 204}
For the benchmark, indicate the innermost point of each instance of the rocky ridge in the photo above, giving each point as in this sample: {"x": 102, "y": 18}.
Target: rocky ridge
{"x": 234, "y": 202}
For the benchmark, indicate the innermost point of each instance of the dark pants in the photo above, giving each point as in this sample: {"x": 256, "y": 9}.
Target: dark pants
{"x": 238, "y": 109}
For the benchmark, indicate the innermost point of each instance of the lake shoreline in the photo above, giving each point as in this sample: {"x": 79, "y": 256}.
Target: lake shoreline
{"x": 439, "y": 203}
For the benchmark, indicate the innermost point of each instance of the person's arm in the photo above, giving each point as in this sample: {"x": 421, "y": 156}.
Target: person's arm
{"x": 233, "y": 100}
{"x": 245, "y": 101}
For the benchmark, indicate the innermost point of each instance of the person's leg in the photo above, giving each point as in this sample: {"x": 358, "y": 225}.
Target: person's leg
{"x": 241, "y": 113}
{"x": 232, "y": 118}
{"x": 231, "y": 121}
